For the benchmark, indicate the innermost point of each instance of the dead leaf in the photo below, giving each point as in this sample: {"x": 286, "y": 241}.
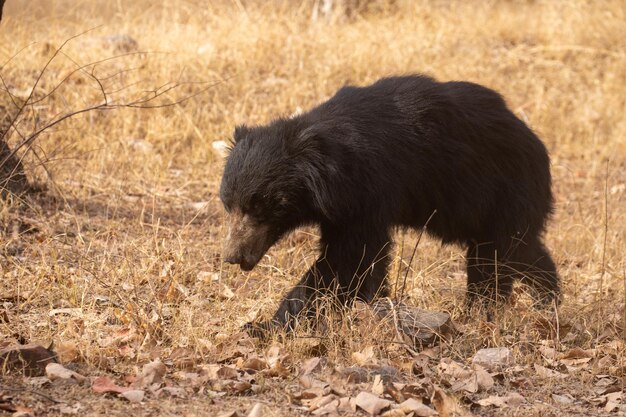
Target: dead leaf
{"x": 310, "y": 365}
{"x": 21, "y": 411}
{"x": 254, "y": 364}
{"x": 133, "y": 395}
{"x": 493, "y": 359}
{"x": 613, "y": 401}
{"x": 226, "y": 372}
{"x": 277, "y": 356}
{"x": 417, "y": 408}
{"x": 258, "y": 410}
{"x": 240, "y": 387}
{"x": 365, "y": 357}
{"x": 56, "y": 371}
{"x": 394, "y": 412}
{"x": 454, "y": 369}
{"x": 446, "y": 405}
{"x": 577, "y": 353}
{"x": 66, "y": 351}
{"x": 226, "y": 293}
{"x": 320, "y": 402}
{"x": 549, "y": 353}
{"x": 565, "y": 399}
{"x": 483, "y": 378}
{"x": 183, "y": 358}
{"x": 543, "y": 372}
{"x": 151, "y": 373}
{"x": 346, "y": 405}
{"x": 104, "y": 384}
{"x": 469, "y": 384}
{"x": 512, "y": 399}
{"x": 371, "y": 403}
{"x": 229, "y": 414}
{"x": 377, "y": 386}
{"x": 330, "y": 407}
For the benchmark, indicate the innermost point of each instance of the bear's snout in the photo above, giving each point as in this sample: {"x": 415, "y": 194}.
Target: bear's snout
{"x": 246, "y": 242}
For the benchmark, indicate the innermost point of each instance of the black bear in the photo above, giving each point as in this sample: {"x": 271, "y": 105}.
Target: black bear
{"x": 406, "y": 152}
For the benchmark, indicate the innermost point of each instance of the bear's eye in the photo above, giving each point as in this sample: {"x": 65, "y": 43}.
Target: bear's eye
{"x": 253, "y": 206}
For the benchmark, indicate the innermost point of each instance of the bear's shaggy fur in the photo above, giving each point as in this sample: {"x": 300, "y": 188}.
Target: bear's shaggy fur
{"x": 404, "y": 152}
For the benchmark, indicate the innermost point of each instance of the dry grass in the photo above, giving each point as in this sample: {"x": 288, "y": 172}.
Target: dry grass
{"x": 128, "y": 235}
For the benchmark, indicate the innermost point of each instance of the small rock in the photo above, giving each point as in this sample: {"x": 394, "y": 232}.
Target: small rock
{"x": 56, "y": 371}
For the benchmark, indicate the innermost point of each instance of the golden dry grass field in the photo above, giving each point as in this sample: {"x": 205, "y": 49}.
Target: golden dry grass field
{"x": 116, "y": 263}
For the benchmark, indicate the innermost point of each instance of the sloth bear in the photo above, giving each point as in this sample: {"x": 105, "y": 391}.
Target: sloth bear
{"x": 404, "y": 152}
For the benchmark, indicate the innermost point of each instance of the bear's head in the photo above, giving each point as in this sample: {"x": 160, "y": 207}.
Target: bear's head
{"x": 274, "y": 181}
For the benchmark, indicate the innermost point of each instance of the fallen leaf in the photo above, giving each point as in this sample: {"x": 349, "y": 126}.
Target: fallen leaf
{"x": 151, "y": 373}
{"x": 258, "y": 410}
{"x": 454, "y": 369}
{"x": 543, "y": 372}
{"x": 320, "y": 402}
{"x": 21, "y": 411}
{"x": 66, "y": 351}
{"x": 563, "y": 399}
{"x": 56, "y": 371}
{"x": 377, "y": 386}
{"x": 254, "y": 364}
{"x": 133, "y": 395}
{"x": 346, "y": 405}
{"x": 483, "y": 378}
{"x": 310, "y": 365}
{"x": 493, "y": 358}
{"x": 183, "y": 358}
{"x": 229, "y": 414}
{"x": 365, "y": 357}
{"x": 227, "y": 293}
{"x": 104, "y": 384}
{"x": 417, "y": 408}
{"x": 394, "y": 412}
{"x": 275, "y": 355}
{"x": 613, "y": 401}
{"x": 510, "y": 400}
{"x": 240, "y": 387}
{"x": 226, "y": 372}
{"x": 71, "y": 409}
{"x": 577, "y": 353}
{"x": 330, "y": 407}
{"x": 446, "y": 405}
{"x": 371, "y": 403}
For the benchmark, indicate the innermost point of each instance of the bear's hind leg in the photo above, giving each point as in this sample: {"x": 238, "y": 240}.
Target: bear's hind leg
{"x": 538, "y": 271}
{"x": 488, "y": 281}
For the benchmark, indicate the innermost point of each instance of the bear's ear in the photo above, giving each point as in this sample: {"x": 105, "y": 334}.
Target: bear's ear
{"x": 240, "y": 133}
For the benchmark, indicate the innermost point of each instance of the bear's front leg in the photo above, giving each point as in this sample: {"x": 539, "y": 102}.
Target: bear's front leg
{"x": 352, "y": 266}
{"x": 317, "y": 279}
